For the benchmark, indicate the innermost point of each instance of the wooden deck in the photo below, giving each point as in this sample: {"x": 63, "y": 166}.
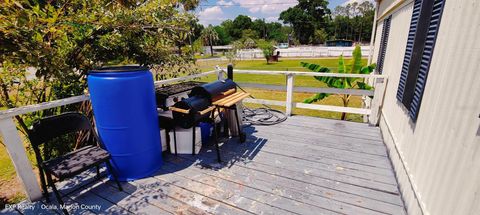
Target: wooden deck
{"x": 302, "y": 166}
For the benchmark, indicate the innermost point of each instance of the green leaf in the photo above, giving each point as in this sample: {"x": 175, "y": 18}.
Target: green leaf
{"x": 349, "y": 82}
{"x": 368, "y": 69}
{"x": 338, "y": 83}
{"x": 364, "y": 86}
{"x": 317, "y": 68}
{"x": 341, "y": 65}
{"x": 357, "y": 60}
{"x": 308, "y": 101}
{"x": 316, "y": 97}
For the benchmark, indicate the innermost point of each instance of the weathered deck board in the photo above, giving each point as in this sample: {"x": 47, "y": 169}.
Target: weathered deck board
{"x": 300, "y": 175}
{"x": 303, "y": 166}
{"x": 239, "y": 173}
{"x": 245, "y": 184}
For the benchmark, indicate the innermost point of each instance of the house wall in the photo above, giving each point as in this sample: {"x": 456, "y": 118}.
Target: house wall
{"x": 436, "y": 158}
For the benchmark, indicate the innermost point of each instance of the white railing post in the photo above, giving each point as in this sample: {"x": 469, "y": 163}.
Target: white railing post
{"x": 16, "y": 150}
{"x": 219, "y": 72}
{"x": 377, "y": 101}
{"x": 289, "y": 102}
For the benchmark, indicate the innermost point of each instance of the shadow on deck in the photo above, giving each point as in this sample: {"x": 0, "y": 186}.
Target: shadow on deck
{"x": 302, "y": 166}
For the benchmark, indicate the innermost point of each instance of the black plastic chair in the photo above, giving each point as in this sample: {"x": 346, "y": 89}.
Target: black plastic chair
{"x": 71, "y": 163}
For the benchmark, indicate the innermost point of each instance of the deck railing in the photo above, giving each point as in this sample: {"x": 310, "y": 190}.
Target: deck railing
{"x": 372, "y": 108}
{"x": 15, "y": 145}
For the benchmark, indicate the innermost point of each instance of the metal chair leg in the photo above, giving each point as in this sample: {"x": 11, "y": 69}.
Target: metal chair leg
{"x": 57, "y": 194}
{"x": 114, "y": 175}
{"x": 43, "y": 184}
{"x": 193, "y": 139}
{"x": 215, "y": 137}
{"x": 98, "y": 172}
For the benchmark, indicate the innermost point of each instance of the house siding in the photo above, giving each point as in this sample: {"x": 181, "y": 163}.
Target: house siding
{"x": 436, "y": 158}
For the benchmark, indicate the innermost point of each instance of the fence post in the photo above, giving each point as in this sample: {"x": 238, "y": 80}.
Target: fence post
{"x": 289, "y": 102}
{"x": 14, "y": 145}
{"x": 377, "y": 101}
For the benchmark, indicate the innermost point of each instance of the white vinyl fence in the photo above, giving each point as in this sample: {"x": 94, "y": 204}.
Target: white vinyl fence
{"x": 304, "y": 52}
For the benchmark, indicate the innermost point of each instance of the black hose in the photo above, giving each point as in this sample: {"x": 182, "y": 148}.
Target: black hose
{"x": 262, "y": 116}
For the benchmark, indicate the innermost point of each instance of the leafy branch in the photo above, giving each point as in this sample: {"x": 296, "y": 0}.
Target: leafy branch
{"x": 356, "y": 67}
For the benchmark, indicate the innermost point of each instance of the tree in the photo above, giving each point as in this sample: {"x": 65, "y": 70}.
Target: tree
{"x": 267, "y": 49}
{"x": 249, "y": 43}
{"x": 228, "y": 26}
{"x": 242, "y": 27}
{"x": 197, "y": 29}
{"x": 305, "y": 17}
{"x": 209, "y": 36}
{"x": 223, "y": 37}
{"x": 232, "y": 53}
{"x": 249, "y": 33}
{"x": 260, "y": 27}
{"x": 239, "y": 24}
{"x": 303, "y": 28}
{"x": 276, "y": 33}
{"x": 320, "y": 36}
{"x": 356, "y": 67}
{"x": 60, "y": 41}
{"x": 353, "y": 21}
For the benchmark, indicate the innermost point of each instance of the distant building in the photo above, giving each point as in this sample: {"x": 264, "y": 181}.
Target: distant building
{"x": 283, "y": 46}
{"x": 217, "y": 49}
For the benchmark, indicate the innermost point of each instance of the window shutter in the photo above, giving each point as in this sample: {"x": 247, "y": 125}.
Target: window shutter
{"x": 409, "y": 50}
{"x": 383, "y": 44}
{"x": 426, "y": 57}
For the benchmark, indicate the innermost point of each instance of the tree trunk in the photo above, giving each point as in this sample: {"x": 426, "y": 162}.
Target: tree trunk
{"x": 211, "y": 46}
{"x": 345, "y": 104}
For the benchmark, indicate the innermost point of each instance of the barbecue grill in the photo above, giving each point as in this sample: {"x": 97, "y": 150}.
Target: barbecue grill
{"x": 202, "y": 104}
{"x": 167, "y": 96}
{"x": 196, "y": 107}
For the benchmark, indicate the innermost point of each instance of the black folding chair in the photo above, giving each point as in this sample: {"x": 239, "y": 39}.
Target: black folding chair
{"x": 72, "y": 163}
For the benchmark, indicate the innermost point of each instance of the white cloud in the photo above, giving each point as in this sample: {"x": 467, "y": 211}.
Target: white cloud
{"x": 272, "y": 19}
{"x": 211, "y": 15}
{"x": 225, "y": 4}
{"x": 266, "y": 6}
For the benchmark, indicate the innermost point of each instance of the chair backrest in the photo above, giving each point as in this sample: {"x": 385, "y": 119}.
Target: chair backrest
{"x": 51, "y": 127}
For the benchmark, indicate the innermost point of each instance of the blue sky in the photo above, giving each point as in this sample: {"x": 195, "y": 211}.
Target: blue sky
{"x": 216, "y": 11}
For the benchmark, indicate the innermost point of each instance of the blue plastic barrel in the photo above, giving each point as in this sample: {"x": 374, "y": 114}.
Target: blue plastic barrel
{"x": 124, "y": 107}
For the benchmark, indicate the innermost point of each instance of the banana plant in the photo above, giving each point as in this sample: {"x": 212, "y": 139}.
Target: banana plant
{"x": 356, "y": 67}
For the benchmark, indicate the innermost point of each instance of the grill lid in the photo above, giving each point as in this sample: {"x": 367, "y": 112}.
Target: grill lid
{"x": 213, "y": 89}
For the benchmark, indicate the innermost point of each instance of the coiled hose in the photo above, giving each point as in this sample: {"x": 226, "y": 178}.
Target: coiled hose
{"x": 261, "y": 116}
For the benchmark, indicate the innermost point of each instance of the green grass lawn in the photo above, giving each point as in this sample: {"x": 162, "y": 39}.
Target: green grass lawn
{"x": 6, "y": 166}
{"x": 207, "y": 56}
{"x": 11, "y": 189}
{"x": 286, "y": 65}
{"x": 283, "y": 65}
